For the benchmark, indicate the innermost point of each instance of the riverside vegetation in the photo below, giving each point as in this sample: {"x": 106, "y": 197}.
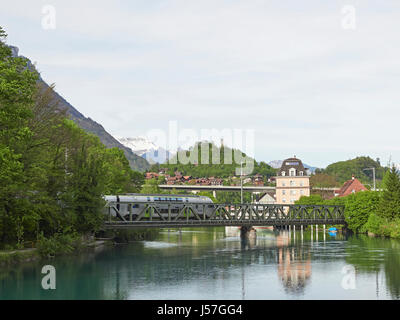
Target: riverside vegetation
{"x": 52, "y": 173}
{"x": 373, "y": 212}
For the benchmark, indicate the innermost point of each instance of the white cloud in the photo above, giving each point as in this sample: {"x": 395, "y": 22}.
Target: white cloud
{"x": 290, "y": 72}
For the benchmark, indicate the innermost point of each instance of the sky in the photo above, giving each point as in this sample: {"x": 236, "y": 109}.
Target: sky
{"x": 316, "y": 79}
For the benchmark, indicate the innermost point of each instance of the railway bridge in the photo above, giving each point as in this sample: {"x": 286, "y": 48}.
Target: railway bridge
{"x": 161, "y": 215}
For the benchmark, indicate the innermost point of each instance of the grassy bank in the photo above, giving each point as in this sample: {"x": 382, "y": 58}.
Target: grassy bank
{"x": 8, "y": 258}
{"x": 71, "y": 243}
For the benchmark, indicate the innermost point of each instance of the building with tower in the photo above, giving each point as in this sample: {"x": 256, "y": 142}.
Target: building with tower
{"x": 292, "y": 181}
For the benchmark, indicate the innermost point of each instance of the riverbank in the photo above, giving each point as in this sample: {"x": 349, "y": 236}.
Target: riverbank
{"x": 64, "y": 247}
{"x": 13, "y": 257}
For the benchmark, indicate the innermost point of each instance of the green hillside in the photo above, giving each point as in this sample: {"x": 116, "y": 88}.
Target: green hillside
{"x": 197, "y": 168}
{"x": 343, "y": 170}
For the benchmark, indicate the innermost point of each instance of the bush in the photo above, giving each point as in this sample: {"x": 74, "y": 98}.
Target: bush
{"x": 58, "y": 244}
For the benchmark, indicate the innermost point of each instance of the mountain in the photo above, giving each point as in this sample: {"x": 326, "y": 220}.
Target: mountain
{"x": 136, "y": 162}
{"x": 276, "y": 164}
{"x": 146, "y": 149}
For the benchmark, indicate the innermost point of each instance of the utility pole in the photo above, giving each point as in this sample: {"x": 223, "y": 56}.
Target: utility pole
{"x": 241, "y": 182}
{"x": 373, "y": 175}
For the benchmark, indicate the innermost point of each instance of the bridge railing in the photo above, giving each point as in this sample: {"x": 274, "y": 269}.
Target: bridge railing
{"x": 156, "y": 213}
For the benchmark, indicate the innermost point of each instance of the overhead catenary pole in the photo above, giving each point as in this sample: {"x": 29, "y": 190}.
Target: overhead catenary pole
{"x": 373, "y": 176}
{"x": 241, "y": 182}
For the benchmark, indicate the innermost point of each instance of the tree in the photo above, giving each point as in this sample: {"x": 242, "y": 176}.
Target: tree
{"x": 323, "y": 180}
{"x": 389, "y": 207}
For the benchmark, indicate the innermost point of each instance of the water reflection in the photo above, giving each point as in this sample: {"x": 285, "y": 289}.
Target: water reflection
{"x": 216, "y": 264}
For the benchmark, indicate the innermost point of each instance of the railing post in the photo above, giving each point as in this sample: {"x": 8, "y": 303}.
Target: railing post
{"x": 130, "y": 212}
{"x": 169, "y": 212}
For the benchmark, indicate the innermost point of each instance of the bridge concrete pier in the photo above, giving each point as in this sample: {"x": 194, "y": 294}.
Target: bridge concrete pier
{"x": 247, "y": 231}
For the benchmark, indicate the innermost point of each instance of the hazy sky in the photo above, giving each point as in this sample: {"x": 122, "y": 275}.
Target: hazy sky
{"x": 296, "y": 72}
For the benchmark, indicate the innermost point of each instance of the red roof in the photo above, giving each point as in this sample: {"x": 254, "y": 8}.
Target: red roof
{"x": 351, "y": 186}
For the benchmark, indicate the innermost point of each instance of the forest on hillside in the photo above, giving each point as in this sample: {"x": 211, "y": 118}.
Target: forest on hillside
{"x": 225, "y": 163}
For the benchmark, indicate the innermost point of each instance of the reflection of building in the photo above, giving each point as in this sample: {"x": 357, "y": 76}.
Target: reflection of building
{"x": 292, "y": 181}
{"x": 294, "y": 268}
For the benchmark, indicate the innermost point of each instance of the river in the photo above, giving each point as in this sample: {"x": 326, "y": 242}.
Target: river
{"x": 214, "y": 263}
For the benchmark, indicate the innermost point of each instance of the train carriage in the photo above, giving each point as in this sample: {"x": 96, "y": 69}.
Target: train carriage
{"x": 139, "y": 201}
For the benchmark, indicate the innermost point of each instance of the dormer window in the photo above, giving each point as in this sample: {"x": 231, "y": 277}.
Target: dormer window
{"x": 292, "y": 172}
{"x": 283, "y": 173}
{"x": 301, "y": 173}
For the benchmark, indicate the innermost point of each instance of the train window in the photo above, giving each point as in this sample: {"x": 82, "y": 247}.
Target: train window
{"x": 179, "y": 199}
{"x": 156, "y": 199}
{"x": 163, "y": 199}
{"x": 148, "y": 198}
{"x": 135, "y": 206}
{"x": 187, "y": 200}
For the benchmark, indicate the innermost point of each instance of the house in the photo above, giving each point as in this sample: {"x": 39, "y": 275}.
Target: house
{"x": 258, "y": 180}
{"x": 266, "y": 199}
{"x": 350, "y": 186}
{"x": 151, "y": 175}
{"x": 216, "y": 181}
{"x": 292, "y": 181}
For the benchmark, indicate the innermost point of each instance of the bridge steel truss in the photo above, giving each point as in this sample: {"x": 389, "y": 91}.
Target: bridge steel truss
{"x": 189, "y": 215}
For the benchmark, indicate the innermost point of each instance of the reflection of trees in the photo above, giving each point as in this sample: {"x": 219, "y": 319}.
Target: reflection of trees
{"x": 392, "y": 267}
{"x": 371, "y": 255}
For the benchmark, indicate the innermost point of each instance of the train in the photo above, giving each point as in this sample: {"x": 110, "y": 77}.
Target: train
{"x": 138, "y": 201}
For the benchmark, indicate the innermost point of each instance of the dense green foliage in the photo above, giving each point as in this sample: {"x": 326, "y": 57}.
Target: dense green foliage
{"x": 323, "y": 180}
{"x": 369, "y": 211}
{"x": 225, "y": 163}
{"x": 52, "y": 173}
{"x": 343, "y": 170}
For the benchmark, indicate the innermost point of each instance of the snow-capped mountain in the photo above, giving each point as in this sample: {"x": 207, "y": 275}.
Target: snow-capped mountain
{"x": 276, "y": 164}
{"x": 145, "y": 148}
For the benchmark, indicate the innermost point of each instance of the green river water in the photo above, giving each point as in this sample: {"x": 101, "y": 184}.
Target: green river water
{"x": 214, "y": 263}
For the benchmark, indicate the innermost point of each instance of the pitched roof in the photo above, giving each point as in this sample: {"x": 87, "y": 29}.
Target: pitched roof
{"x": 350, "y": 185}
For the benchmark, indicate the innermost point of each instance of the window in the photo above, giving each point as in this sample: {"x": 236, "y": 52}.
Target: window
{"x": 292, "y": 183}
{"x": 301, "y": 173}
{"x": 283, "y": 200}
{"x": 301, "y": 183}
{"x": 292, "y": 192}
{"x": 283, "y": 173}
{"x": 292, "y": 172}
{"x": 301, "y": 192}
{"x": 283, "y": 184}
{"x": 283, "y": 192}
